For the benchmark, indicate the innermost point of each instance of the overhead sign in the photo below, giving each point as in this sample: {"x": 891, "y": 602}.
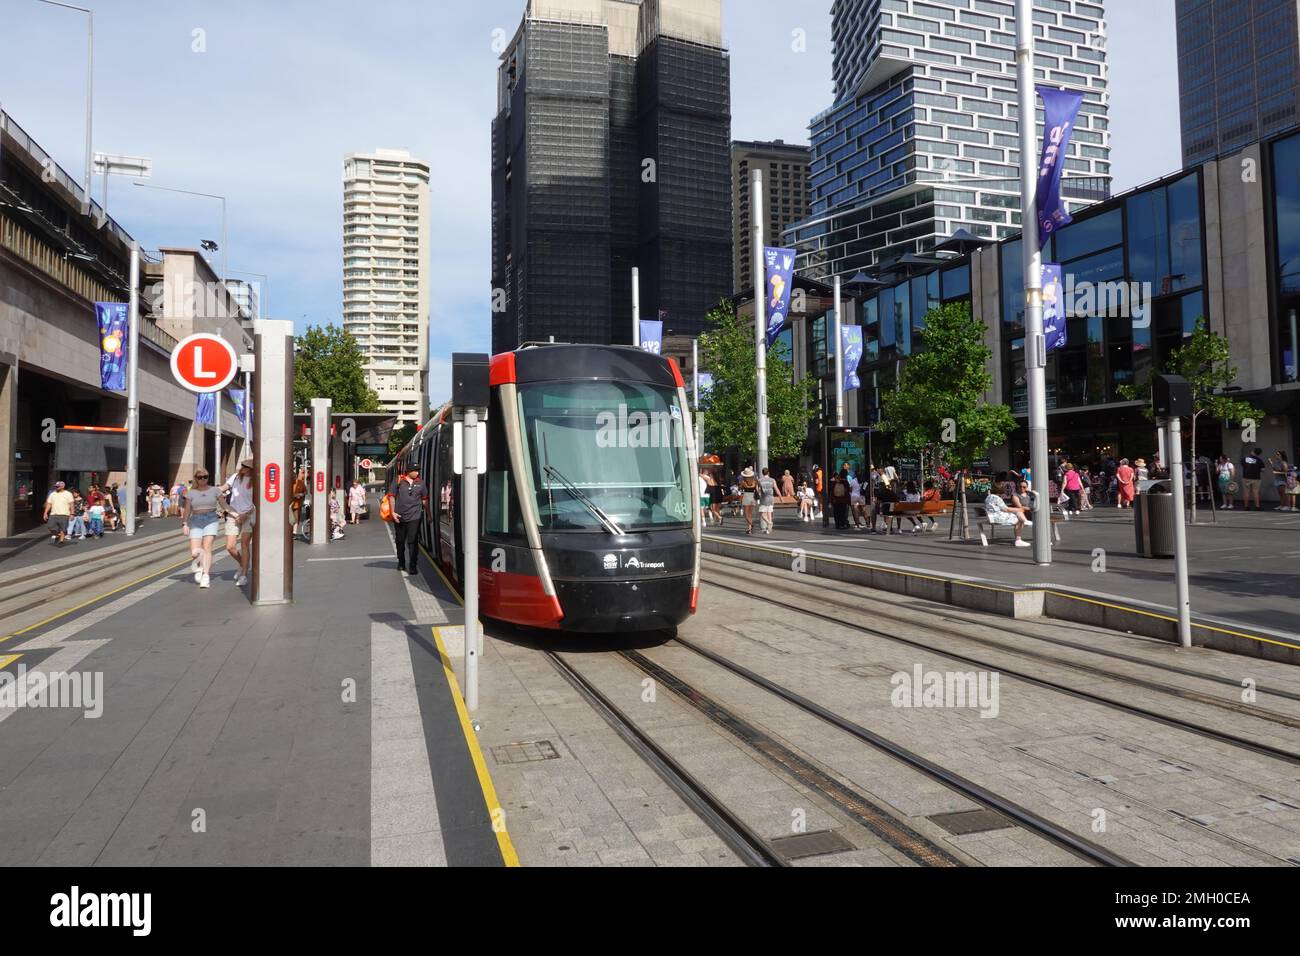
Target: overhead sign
{"x": 204, "y": 363}
{"x": 367, "y": 464}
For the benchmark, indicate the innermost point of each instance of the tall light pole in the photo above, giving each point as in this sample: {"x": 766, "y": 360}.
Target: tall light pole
{"x": 760, "y": 319}
{"x": 221, "y": 281}
{"x": 839, "y": 359}
{"x": 636, "y": 306}
{"x": 1035, "y": 344}
{"x": 132, "y": 392}
{"x": 90, "y": 84}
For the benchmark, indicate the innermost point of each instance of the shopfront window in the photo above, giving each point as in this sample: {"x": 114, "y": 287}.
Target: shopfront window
{"x": 1286, "y": 162}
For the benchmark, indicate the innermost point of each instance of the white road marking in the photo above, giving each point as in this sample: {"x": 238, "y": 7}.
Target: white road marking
{"x": 358, "y": 557}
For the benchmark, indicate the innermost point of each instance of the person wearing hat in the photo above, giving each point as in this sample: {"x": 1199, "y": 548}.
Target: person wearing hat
{"x": 241, "y": 518}
{"x": 748, "y": 494}
{"x": 58, "y": 511}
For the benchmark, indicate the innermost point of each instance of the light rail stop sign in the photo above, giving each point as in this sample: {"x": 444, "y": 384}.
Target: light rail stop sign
{"x": 204, "y": 363}
{"x": 367, "y": 464}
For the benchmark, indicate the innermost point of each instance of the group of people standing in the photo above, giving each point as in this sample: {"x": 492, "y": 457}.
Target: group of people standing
{"x": 71, "y": 516}
{"x": 1255, "y": 469}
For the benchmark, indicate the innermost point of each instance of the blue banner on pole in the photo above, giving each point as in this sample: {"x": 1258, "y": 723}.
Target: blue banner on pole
{"x": 706, "y": 385}
{"x": 780, "y": 275}
{"x": 851, "y": 344}
{"x": 652, "y": 336}
{"x": 205, "y": 409}
{"x": 237, "y": 399}
{"x": 1054, "y": 317}
{"x": 1060, "y": 109}
{"x": 112, "y": 319}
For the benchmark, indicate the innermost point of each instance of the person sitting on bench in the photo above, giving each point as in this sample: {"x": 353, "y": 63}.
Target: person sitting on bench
{"x": 999, "y": 514}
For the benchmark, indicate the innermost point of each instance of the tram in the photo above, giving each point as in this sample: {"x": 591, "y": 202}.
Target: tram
{"x": 589, "y": 498}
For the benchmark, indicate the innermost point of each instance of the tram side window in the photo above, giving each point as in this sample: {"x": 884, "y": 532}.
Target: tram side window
{"x": 445, "y": 492}
{"x": 501, "y": 512}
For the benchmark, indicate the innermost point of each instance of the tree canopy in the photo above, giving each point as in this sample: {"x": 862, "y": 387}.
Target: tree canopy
{"x": 939, "y": 402}
{"x": 328, "y": 364}
{"x": 730, "y": 410}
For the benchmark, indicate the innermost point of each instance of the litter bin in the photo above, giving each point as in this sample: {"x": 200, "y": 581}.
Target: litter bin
{"x": 1153, "y": 519}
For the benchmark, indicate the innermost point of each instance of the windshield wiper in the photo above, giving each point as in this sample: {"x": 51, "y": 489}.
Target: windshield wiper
{"x": 606, "y": 521}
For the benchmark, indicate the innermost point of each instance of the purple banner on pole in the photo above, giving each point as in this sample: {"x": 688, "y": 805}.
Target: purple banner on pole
{"x": 1060, "y": 109}
{"x": 851, "y": 343}
{"x": 237, "y": 399}
{"x": 780, "y": 273}
{"x": 112, "y": 319}
{"x": 205, "y": 409}
{"x": 1054, "y": 317}
{"x": 652, "y": 336}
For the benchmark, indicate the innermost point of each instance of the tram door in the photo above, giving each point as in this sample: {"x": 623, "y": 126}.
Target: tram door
{"x": 448, "y": 525}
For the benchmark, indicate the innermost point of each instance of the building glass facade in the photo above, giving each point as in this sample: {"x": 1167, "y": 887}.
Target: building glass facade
{"x": 923, "y": 137}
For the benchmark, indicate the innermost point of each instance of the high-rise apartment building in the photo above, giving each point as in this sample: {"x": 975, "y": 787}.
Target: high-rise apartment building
{"x": 386, "y": 275}
{"x": 923, "y": 137}
{"x": 785, "y": 190}
{"x": 1238, "y": 73}
{"x": 610, "y": 149}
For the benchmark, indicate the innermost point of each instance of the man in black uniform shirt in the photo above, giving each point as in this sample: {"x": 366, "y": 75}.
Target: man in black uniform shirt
{"x": 410, "y": 504}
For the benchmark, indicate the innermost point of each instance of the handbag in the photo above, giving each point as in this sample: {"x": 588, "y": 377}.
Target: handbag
{"x": 386, "y": 508}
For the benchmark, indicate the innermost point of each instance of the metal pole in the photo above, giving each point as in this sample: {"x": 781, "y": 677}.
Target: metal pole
{"x": 90, "y": 95}
{"x": 695, "y": 397}
{"x": 469, "y": 514}
{"x": 248, "y": 403}
{"x": 216, "y": 443}
{"x": 1180, "y": 531}
{"x": 760, "y": 320}
{"x": 1035, "y": 345}
{"x": 636, "y": 306}
{"x": 132, "y": 393}
{"x": 839, "y": 361}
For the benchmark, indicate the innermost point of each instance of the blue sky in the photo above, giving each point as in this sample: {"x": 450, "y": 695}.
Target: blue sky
{"x": 283, "y": 90}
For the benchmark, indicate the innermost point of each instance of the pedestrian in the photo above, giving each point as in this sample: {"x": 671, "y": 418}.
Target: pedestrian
{"x": 787, "y": 484}
{"x": 178, "y": 498}
{"x": 930, "y": 496}
{"x": 1073, "y": 485}
{"x": 748, "y": 495}
{"x": 298, "y": 501}
{"x": 1124, "y": 478}
{"x": 156, "y": 500}
{"x": 1226, "y": 472}
{"x": 1280, "y": 467}
{"x": 77, "y": 524}
{"x": 841, "y": 497}
{"x": 1292, "y": 488}
{"x": 240, "y": 505}
{"x": 336, "y": 519}
{"x": 886, "y": 498}
{"x": 1085, "y": 493}
{"x": 857, "y": 502}
{"x": 95, "y": 517}
{"x": 806, "y": 498}
{"x": 356, "y": 500}
{"x": 715, "y": 496}
{"x": 1252, "y": 471}
{"x": 911, "y": 495}
{"x": 1141, "y": 467}
{"x": 410, "y": 505}
{"x": 766, "y": 500}
{"x": 200, "y": 522}
{"x": 58, "y": 512}
{"x": 108, "y": 501}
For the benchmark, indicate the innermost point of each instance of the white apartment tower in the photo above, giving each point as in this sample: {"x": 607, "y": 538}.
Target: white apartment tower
{"x": 386, "y": 275}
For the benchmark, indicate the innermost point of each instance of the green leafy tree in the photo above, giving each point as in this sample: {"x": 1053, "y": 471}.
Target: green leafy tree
{"x": 400, "y": 436}
{"x": 939, "y": 403}
{"x": 730, "y": 410}
{"x": 1205, "y": 360}
{"x": 328, "y": 364}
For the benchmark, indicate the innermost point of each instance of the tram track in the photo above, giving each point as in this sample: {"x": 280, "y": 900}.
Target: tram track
{"x": 802, "y": 605}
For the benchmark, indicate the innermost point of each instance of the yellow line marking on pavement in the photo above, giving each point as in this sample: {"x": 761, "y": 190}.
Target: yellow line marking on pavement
{"x": 106, "y": 594}
{"x": 1174, "y": 620}
{"x": 508, "y": 855}
{"x": 8, "y": 659}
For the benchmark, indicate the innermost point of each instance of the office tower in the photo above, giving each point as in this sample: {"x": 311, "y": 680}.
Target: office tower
{"x": 610, "y": 150}
{"x": 1238, "y": 73}
{"x": 785, "y": 189}
{"x": 386, "y": 275}
{"x": 922, "y": 139}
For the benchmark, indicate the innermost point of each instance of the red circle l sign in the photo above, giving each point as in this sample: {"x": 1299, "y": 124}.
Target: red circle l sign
{"x": 204, "y": 363}
{"x": 320, "y": 481}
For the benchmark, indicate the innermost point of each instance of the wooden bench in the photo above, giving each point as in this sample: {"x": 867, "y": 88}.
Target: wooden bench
{"x": 917, "y": 509}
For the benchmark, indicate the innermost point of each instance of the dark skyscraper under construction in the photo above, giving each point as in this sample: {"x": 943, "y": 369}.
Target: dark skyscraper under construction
{"x": 610, "y": 149}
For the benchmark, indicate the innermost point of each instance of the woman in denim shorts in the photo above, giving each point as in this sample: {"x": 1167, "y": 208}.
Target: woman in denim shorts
{"x": 200, "y": 522}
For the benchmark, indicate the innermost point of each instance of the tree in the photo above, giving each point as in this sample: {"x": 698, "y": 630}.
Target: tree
{"x": 730, "y": 410}
{"x": 939, "y": 401}
{"x": 327, "y": 363}
{"x": 1205, "y": 360}
{"x": 400, "y": 435}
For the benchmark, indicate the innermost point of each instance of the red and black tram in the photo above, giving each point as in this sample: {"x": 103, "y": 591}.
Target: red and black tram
{"x": 589, "y": 499}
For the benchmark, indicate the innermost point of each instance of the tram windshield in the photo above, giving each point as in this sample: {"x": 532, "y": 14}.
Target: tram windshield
{"x": 606, "y": 452}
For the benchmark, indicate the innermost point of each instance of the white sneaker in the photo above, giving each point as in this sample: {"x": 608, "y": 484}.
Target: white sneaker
{"x": 204, "y": 581}
{"x": 198, "y": 577}
{"x": 241, "y": 580}
{"x": 1023, "y": 544}
{"x": 194, "y": 566}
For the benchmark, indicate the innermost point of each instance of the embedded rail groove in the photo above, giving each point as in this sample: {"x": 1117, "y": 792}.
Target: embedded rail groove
{"x": 1198, "y": 729}
{"x": 734, "y": 832}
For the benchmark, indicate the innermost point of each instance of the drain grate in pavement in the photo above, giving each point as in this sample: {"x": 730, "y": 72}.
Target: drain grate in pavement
{"x": 803, "y": 845}
{"x": 971, "y": 821}
{"x": 525, "y": 752}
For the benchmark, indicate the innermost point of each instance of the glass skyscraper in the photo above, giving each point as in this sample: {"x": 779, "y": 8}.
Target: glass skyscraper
{"x": 1238, "y": 72}
{"x": 923, "y": 137}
